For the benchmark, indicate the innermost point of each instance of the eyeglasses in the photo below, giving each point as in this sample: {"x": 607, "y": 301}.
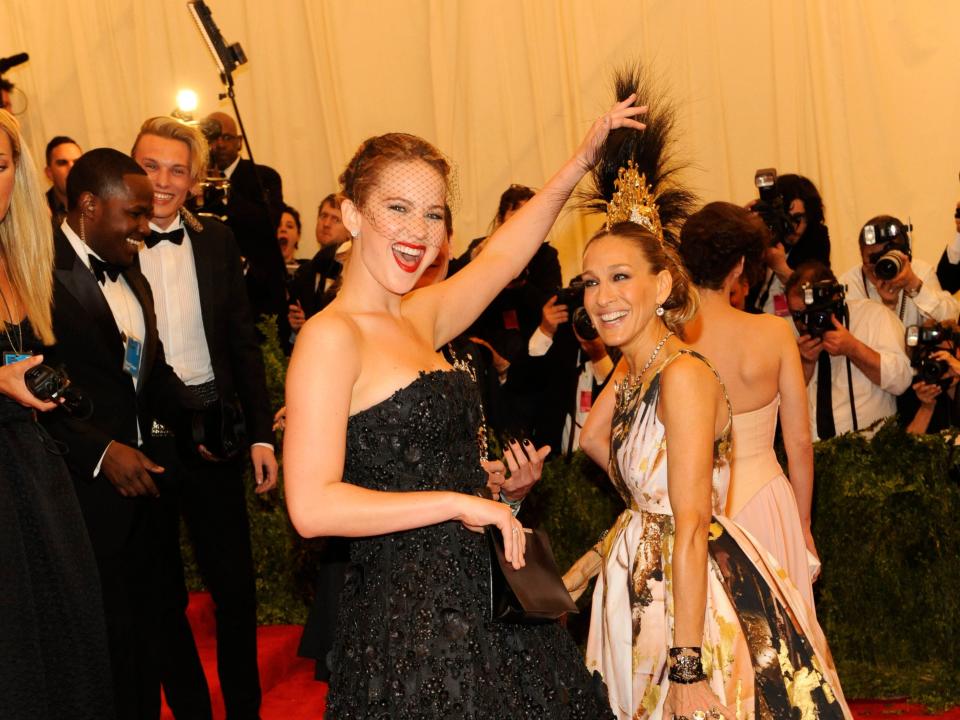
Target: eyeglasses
{"x": 226, "y": 137}
{"x": 797, "y": 218}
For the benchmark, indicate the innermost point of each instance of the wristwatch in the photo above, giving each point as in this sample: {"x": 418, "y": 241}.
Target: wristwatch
{"x": 916, "y": 291}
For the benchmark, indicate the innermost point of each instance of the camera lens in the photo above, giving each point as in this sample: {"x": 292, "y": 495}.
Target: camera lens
{"x": 931, "y": 371}
{"x": 888, "y": 266}
{"x": 584, "y": 325}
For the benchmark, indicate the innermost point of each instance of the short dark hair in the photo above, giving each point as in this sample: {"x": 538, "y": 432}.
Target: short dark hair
{"x": 880, "y": 220}
{"x": 797, "y": 187}
{"x": 811, "y": 271}
{"x": 57, "y": 142}
{"x": 330, "y": 199}
{"x": 292, "y": 212}
{"x": 512, "y": 198}
{"x": 714, "y": 239}
{"x": 100, "y": 172}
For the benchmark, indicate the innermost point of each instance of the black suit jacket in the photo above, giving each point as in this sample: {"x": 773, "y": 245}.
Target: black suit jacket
{"x": 254, "y": 220}
{"x": 228, "y": 326}
{"x": 307, "y": 286}
{"x": 948, "y": 274}
{"x": 89, "y": 347}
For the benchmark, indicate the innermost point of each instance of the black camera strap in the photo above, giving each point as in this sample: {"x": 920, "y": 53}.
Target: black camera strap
{"x": 853, "y": 405}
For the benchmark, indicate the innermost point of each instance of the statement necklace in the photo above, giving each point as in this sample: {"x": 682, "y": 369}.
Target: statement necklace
{"x": 632, "y": 383}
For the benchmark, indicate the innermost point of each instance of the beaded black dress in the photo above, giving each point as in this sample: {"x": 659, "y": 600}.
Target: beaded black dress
{"x": 53, "y": 649}
{"x": 413, "y": 637}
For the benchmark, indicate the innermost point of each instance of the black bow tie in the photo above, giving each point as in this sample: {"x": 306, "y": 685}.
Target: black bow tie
{"x": 174, "y": 236}
{"x": 103, "y": 270}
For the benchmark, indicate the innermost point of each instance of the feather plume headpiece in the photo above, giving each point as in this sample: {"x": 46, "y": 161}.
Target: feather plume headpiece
{"x": 634, "y": 177}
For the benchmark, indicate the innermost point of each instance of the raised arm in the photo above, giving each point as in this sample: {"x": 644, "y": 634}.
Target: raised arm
{"x": 454, "y": 304}
{"x": 323, "y": 370}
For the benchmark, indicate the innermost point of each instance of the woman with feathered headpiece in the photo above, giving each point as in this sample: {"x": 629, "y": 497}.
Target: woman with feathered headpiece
{"x": 690, "y": 617}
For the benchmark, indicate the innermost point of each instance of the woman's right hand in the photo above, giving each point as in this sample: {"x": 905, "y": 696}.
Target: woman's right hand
{"x": 620, "y": 115}
{"x": 475, "y": 513}
{"x": 13, "y": 385}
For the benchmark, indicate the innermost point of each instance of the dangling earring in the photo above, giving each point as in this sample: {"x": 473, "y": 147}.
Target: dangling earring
{"x": 83, "y": 235}
{"x": 659, "y": 310}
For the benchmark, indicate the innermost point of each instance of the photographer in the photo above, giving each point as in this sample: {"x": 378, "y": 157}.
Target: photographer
{"x": 572, "y": 367}
{"x": 799, "y": 235}
{"x": 948, "y": 269}
{"x": 890, "y": 274}
{"x": 852, "y": 353}
{"x": 932, "y": 405}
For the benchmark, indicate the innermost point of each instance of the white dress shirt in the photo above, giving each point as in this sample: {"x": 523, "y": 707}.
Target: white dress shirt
{"x": 932, "y": 301}
{"x": 593, "y": 372}
{"x": 123, "y": 303}
{"x": 877, "y": 327}
{"x": 172, "y": 274}
{"x": 539, "y": 343}
{"x": 228, "y": 171}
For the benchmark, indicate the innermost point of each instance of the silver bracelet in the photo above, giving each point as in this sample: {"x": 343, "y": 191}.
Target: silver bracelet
{"x": 514, "y": 505}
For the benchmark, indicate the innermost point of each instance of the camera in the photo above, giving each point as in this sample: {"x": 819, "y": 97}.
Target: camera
{"x": 52, "y": 385}
{"x": 572, "y": 297}
{"x": 923, "y": 343}
{"x": 892, "y": 243}
{"x": 770, "y": 207}
{"x": 823, "y": 300}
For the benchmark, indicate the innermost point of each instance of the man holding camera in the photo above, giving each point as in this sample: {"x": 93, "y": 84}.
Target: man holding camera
{"x": 206, "y": 325}
{"x": 852, "y": 352}
{"x": 891, "y": 275}
{"x": 933, "y": 404}
{"x": 571, "y": 365}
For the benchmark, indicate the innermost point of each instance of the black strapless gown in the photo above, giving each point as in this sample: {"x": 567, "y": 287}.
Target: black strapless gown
{"x": 53, "y": 649}
{"x": 413, "y": 635}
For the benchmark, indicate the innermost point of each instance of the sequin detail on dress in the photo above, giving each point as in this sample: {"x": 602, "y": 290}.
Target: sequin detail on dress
{"x": 413, "y": 640}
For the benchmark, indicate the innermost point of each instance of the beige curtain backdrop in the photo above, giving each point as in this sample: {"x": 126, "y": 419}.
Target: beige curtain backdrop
{"x": 859, "y": 95}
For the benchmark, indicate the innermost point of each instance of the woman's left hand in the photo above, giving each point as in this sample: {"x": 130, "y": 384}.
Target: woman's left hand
{"x": 684, "y": 700}
{"x": 526, "y": 466}
{"x": 622, "y": 114}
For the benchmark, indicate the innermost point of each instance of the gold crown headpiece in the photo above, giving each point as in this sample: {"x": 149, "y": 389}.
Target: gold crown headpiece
{"x": 634, "y": 201}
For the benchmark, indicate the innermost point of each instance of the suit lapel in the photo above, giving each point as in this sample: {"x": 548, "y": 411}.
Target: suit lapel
{"x": 204, "y": 264}
{"x": 83, "y": 286}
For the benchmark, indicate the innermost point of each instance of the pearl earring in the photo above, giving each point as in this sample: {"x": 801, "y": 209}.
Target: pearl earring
{"x": 659, "y": 310}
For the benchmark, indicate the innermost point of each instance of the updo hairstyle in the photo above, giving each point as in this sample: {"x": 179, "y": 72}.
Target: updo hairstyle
{"x": 684, "y": 300}
{"x": 713, "y": 240}
{"x": 377, "y": 153}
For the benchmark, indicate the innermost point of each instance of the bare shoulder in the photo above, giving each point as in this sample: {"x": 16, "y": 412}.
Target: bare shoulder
{"x": 330, "y": 338}
{"x": 689, "y": 375}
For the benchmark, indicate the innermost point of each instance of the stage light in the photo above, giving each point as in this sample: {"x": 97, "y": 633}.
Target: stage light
{"x": 187, "y": 101}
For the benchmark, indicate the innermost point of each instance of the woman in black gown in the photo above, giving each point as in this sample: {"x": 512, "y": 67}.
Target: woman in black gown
{"x": 53, "y": 653}
{"x": 381, "y": 445}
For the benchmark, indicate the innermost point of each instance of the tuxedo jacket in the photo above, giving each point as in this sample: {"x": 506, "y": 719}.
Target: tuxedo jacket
{"x": 228, "y": 325}
{"x": 254, "y": 220}
{"x": 948, "y": 274}
{"x": 89, "y": 347}
{"x": 307, "y": 286}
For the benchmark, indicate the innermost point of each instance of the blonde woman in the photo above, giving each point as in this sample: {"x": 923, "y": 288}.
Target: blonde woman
{"x": 53, "y": 654}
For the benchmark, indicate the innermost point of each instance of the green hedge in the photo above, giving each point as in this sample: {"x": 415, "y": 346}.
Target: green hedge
{"x": 886, "y": 521}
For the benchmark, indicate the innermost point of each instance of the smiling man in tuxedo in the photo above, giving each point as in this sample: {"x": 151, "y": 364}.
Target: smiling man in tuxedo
{"x": 206, "y": 324}
{"x": 103, "y": 319}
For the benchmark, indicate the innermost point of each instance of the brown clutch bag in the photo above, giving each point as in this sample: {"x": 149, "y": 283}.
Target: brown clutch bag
{"x": 533, "y": 594}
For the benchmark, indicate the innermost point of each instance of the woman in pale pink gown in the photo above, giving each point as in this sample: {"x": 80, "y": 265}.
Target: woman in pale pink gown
{"x": 757, "y": 357}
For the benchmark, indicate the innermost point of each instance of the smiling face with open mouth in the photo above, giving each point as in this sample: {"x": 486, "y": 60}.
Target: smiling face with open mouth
{"x": 403, "y": 224}
{"x": 621, "y": 290}
{"x": 167, "y": 163}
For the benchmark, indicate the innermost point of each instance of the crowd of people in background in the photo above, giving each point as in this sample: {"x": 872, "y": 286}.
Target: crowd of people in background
{"x": 143, "y": 278}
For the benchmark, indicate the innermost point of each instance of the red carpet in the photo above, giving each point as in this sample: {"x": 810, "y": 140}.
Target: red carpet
{"x": 291, "y": 693}
{"x": 289, "y": 690}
